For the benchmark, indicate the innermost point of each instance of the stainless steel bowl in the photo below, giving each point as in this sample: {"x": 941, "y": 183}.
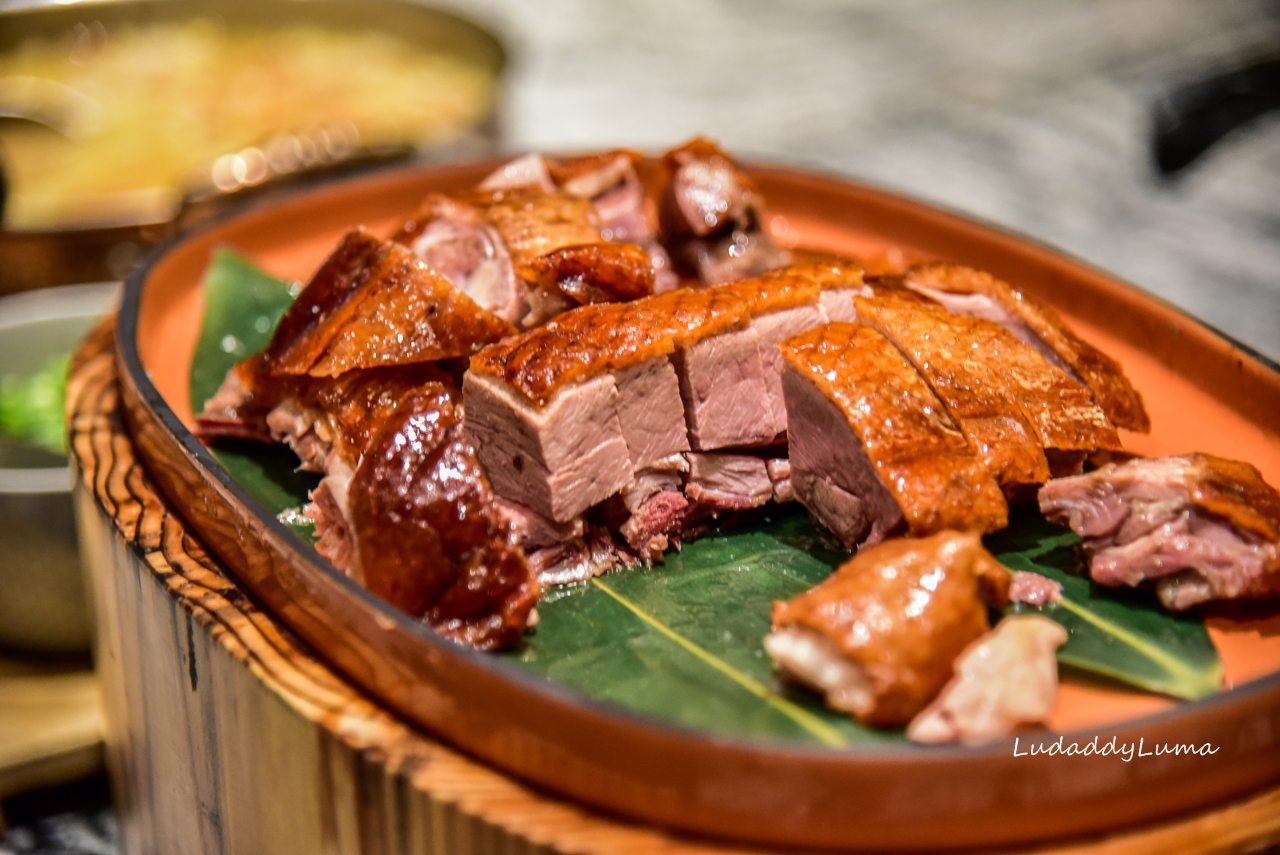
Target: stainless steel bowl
{"x": 33, "y": 258}
{"x": 42, "y": 596}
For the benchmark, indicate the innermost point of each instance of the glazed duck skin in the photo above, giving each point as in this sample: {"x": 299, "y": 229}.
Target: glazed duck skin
{"x": 879, "y": 636}
{"x": 1197, "y": 527}
{"x": 972, "y": 389}
{"x": 1014, "y": 406}
{"x": 873, "y": 451}
{"x": 374, "y": 303}
{"x": 404, "y": 506}
{"x": 966, "y": 291}
{"x": 428, "y": 534}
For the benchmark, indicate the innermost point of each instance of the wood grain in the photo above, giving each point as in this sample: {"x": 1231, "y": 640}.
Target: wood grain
{"x": 225, "y": 734}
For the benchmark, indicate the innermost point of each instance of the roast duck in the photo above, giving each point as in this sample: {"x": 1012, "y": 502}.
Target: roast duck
{"x": 583, "y": 362}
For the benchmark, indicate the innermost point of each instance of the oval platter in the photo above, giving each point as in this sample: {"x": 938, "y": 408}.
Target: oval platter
{"x": 1204, "y": 393}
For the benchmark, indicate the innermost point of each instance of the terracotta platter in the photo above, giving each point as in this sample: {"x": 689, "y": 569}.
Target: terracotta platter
{"x": 1204, "y": 393}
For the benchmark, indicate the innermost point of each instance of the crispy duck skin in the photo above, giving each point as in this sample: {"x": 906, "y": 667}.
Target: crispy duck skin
{"x": 1198, "y": 527}
{"x": 371, "y": 303}
{"x": 871, "y": 440}
{"x": 607, "y": 179}
{"x": 964, "y": 290}
{"x": 374, "y": 303}
{"x": 356, "y": 404}
{"x": 1011, "y": 403}
{"x": 558, "y": 251}
{"x": 428, "y": 534}
{"x": 879, "y": 636}
{"x": 404, "y": 507}
{"x": 962, "y": 375}
{"x": 297, "y": 341}
{"x": 711, "y": 215}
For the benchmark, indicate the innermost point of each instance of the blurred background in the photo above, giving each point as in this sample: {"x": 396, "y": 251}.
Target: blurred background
{"x": 1138, "y": 135}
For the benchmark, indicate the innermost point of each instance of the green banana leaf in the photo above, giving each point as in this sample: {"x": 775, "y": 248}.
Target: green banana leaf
{"x": 681, "y": 642}
{"x": 242, "y": 306}
{"x": 1115, "y": 632}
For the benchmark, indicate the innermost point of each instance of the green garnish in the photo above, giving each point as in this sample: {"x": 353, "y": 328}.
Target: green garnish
{"x": 31, "y": 407}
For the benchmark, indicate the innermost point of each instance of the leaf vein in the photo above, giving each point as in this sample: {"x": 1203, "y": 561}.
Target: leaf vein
{"x": 820, "y": 730}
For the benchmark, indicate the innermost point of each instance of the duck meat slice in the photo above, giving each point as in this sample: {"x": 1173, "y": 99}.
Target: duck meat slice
{"x": 528, "y": 171}
{"x": 879, "y": 636}
{"x": 543, "y": 247}
{"x": 649, "y": 512}
{"x": 799, "y": 310}
{"x": 1032, "y": 589}
{"x": 611, "y": 181}
{"x": 711, "y": 216}
{"x": 965, "y": 291}
{"x": 544, "y": 407}
{"x": 608, "y": 180}
{"x": 534, "y": 530}
{"x": 558, "y": 458}
{"x": 731, "y": 379}
{"x": 1006, "y": 679}
{"x": 779, "y": 469}
{"x": 841, "y": 280}
{"x": 650, "y": 411}
{"x": 593, "y": 553}
{"x": 453, "y": 238}
{"x": 1013, "y": 406}
{"x": 1198, "y": 527}
{"x": 396, "y": 311}
{"x": 873, "y": 451}
{"x": 565, "y": 414}
{"x": 373, "y": 303}
{"x": 720, "y": 482}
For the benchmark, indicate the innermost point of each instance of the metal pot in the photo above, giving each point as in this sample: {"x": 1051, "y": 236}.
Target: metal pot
{"x": 33, "y": 258}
